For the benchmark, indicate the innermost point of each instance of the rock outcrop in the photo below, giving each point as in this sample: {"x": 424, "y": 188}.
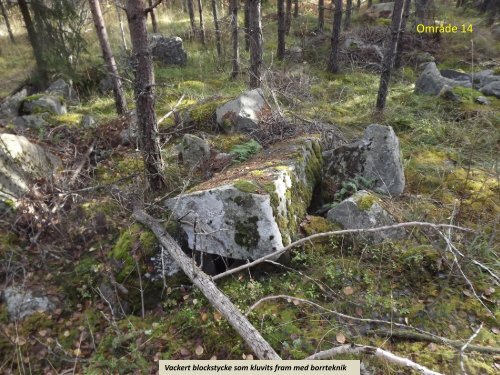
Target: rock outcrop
{"x": 193, "y": 150}
{"x": 431, "y": 82}
{"x": 254, "y": 208}
{"x": 376, "y": 158}
{"x": 363, "y": 211}
{"x": 63, "y": 89}
{"x": 168, "y": 51}
{"x": 40, "y": 103}
{"x": 22, "y": 303}
{"x": 10, "y": 106}
{"x": 244, "y": 113}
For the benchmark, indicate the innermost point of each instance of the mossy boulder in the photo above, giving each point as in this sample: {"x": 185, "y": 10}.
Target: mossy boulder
{"x": 43, "y": 103}
{"x": 254, "y": 208}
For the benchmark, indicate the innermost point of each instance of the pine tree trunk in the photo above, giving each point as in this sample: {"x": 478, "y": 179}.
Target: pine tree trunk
{"x": 347, "y": 19}
{"x": 41, "y": 66}
{"x": 370, "y": 2}
{"x": 281, "y": 30}
{"x": 217, "y": 28}
{"x": 247, "y": 25}
{"x": 296, "y": 9}
{"x": 255, "y": 43}
{"x": 333, "y": 63}
{"x": 404, "y": 22}
{"x": 234, "y": 32}
{"x": 153, "y": 17}
{"x": 321, "y": 15}
{"x": 144, "y": 97}
{"x": 190, "y": 7}
{"x": 202, "y": 23}
{"x": 358, "y": 4}
{"x": 390, "y": 54}
{"x": 288, "y": 22}
{"x": 7, "y": 22}
{"x": 107, "y": 54}
{"x": 120, "y": 23}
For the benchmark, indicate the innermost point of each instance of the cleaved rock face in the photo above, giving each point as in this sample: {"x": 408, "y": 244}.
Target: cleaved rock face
{"x": 363, "y": 211}
{"x": 21, "y": 160}
{"x": 377, "y": 157}
{"x": 193, "y": 150}
{"x": 43, "y": 103}
{"x": 63, "y": 89}
{"x": 248, "y": 211}
{"x": 243, "y": 113}
{"x": 169, "y": 51}
{"x": 22, "y": 303}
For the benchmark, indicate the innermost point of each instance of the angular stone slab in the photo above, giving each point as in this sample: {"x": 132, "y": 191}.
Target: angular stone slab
{"x": 254, "y": 208}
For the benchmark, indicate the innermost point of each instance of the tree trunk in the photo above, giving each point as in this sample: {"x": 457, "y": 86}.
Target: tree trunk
{"x": 102, "y": 34}
{"x": 358, "y": 4}
{"x": 7, "y": 23}
{"x": 281, "y": 30}
{"x": 422, "y": 11}
{"x": 41, "y": 66}
{"x": 120, "y": 23}
{"x": 288, "y": 22}
{"x": 390, "y": 54}
{"x": 321, "y": 15}
{"x": 333, "y": 63}
{"x": 153, "y": 17}
{"x": 370, "y": 2}
{"x": 144, "y": 97}
{"x": 247, "y": 25}
{"x": 217, "y": 28}
{"x": 190, "y": 7}
{"x": 234, "y": 32}
{"x": 203, "y": 282}
{"x": 404, "y": 22}
{"x": 347, "y": 19}
{"x": 202, "y": 23}
{"x": 255, "y": 43}
{"x": 296, "y": 9}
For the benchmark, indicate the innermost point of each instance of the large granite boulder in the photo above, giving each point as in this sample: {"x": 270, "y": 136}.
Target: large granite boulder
{"x": 376, "y": 158}
{"x": 63, "y": 89}
{"x": 193, "y": 150}
{"x": 363, "y": 211}
{"x": 168, "y": 51}
{"x": 491, "y": 89}
{"x": 10, "y": 106}
{"x": 43, "y": 103}
{"x": 20, "y": 162}
{"x": 255, "y": 208}
{"x": 431, "y": 82}
{"x": 244, "y": 113}
{"x": 22, "y": 303}
{"x": 30, "y": 121}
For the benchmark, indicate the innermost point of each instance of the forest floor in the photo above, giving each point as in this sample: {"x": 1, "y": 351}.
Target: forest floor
{"x": 450, "y": 155}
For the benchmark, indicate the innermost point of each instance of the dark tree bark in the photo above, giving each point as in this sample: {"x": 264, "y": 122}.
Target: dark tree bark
{"x": 370, "y": 2}
{"x": 255, "y": 43}
{"x": 234, "y": 34}
{"x": 217, "y": 28}
{"x": 247, "y": 25}
{"x": 102, "y": 34}
{"x": 347, "y": 18}
{"x": 144, "y": 96}
{"x": 281, "y": 29}
{"x": 202, "y": 23}
{"x": 321, "y": 15}
{"x": 154, "y": 23}
{"x": 358, "y": 4}
{"x": 296, "y": 8}
{"x": 41, "y": 66}
{"x": 288, "y": 22}
{"x": 404, "y": 22}
{"x": 192, "y": 21}
{"x": 333, "y": 63}
{"x": 390, "y": 54}
{"x": 7, "y": 22}
{"x": 422, "y": 11}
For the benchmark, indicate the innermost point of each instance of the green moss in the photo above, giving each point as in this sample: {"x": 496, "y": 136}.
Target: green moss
{"x": 246, "y": 150}
{"x": 205, "y": 112}
{"x": 365, "y": 202}
{"x": 247, "y": 233}
{"x": 246, "y": 186}
{"x": 466, "y": 93}
{"x": 68, "y": 118}
{"x": 226, "y": 143}
{"x": 32, "y": 98}
{"x": 316, "y": 224}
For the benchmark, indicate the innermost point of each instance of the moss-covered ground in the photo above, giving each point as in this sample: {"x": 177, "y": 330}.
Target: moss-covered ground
{"x": 450, "y": 153}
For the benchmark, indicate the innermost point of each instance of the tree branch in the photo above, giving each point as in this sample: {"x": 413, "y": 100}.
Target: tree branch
{"x": 152, "y": 7}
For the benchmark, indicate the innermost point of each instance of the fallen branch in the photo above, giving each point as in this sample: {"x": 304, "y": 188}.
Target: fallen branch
{"x": 81, "y": 164}
{"x": 377, "y": 352}
{"x": 277, "y": 253}
{"x": 203, "y": 282}
{"x": 171, "y": 111}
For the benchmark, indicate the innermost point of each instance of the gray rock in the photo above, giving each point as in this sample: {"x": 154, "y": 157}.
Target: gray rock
{"x": 20, "y": 161}
{"x": 363, "y": 211}
{"x": 44, "y": 103}
{"x": 482, "y": 100}
{"x": 431, "y": 81}
{"x": 456, "y": 76}
{"x": 88, "y": 122}
{"x": 30, "y": 121}
{"x": 495, "y": 30}
{"x": 10, "y": 106}
{"x": 61, "y": 88}
{"x": 128, "y": 136}
{"x": 491, "y": 89}
{"x": 22, "y": 303}
{"x": 424, "y": 57}
{"x": 353, "y": 44}
{"x": 169, "y": 51}
{"x": 193, "y": 150}
{"x": 246, "y": 212}
{"x": 106, "y": 85}
{"x": 489, "y": 79}
{"x": 244, "y": 113}
{"x": 377, "y": 158}
{"x": 479, "y": 77}
{"x": 381, "y": 10}
{"x": 294, "y": 54}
